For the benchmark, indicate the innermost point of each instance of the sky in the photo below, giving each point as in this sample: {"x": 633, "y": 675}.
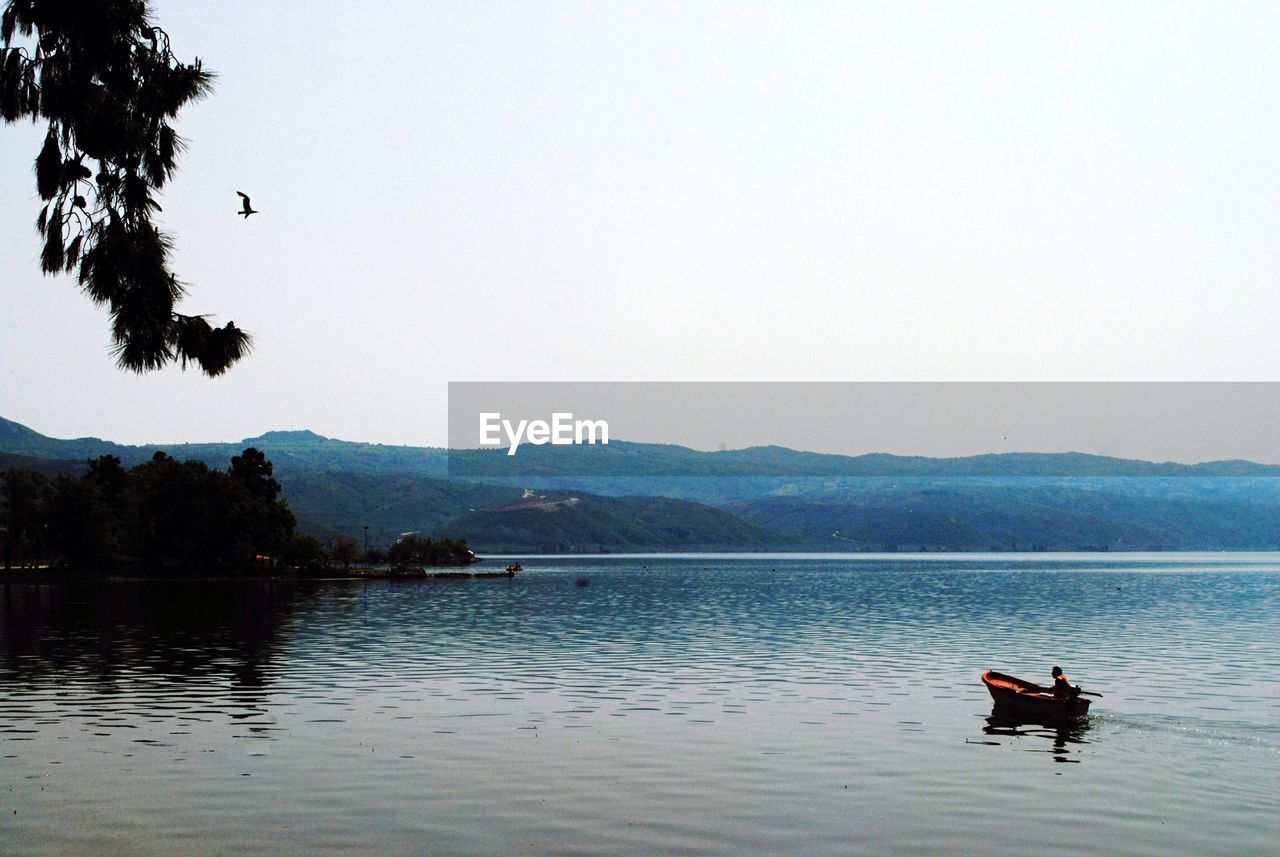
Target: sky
{"x": 657, "y": 191}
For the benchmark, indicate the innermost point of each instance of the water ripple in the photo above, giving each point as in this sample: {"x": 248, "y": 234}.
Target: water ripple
{"x": 694, "y": 705}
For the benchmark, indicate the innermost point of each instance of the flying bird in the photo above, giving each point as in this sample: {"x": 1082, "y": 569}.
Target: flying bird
{"x": 247, "y": 209}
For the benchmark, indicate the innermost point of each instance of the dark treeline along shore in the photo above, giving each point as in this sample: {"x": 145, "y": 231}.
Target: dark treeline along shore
{"x": 169, "y": 516}
{"x": 163, "y": 513}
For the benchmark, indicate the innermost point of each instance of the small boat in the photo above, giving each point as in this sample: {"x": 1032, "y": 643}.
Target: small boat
{"x": 1028, "y": 699}
{"x": 514, "y": 567}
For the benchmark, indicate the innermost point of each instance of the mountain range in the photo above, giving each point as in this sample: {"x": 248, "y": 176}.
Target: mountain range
{"x": 630, "y": 497}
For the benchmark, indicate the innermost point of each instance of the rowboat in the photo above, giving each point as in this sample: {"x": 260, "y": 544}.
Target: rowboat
{"x": 1028, "y": 699}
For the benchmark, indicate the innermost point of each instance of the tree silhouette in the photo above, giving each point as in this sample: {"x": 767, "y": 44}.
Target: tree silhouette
{"x": 252, "y": 471}
{"x": 104, "y": 78}
{"x": 25, "y": 496}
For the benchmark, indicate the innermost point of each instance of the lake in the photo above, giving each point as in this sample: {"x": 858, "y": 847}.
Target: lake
{"x": 702, "y": 705}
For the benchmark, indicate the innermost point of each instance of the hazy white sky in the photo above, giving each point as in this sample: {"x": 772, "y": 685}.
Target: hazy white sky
{"x": 711, "y": 191}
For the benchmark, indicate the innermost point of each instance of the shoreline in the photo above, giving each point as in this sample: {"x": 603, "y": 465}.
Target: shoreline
{"x": 52, "y": 574}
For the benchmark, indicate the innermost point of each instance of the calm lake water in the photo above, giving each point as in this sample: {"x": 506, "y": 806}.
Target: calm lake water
{"x": 673, "y": 705}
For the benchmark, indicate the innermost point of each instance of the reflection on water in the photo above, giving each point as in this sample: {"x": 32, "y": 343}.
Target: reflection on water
{"x": 1059, "y": 734}
{"x": 188, "y": 629}
{"x": 127, "y": 655}
{"x": 708, "y": 705}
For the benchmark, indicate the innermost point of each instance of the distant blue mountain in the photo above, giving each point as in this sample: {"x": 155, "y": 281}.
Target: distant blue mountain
{"x": 292, "y": 450}
{"x": 306, "y": 450}
{"x": 630, "y": 496}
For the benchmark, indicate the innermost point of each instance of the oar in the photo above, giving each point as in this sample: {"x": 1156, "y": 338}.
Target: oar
{"x": 1089, "y": 693}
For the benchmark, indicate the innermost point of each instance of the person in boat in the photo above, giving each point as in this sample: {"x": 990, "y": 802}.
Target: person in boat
{"x": 1062, "y": 687}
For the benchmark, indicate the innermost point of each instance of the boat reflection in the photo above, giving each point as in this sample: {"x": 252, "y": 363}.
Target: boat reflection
{"x": 1063, "y": 736}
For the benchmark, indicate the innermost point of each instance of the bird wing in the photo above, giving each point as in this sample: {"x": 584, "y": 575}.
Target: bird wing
{"x": 245, "y": 195}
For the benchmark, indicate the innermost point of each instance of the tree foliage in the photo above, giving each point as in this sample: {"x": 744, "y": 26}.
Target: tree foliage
{"x": 104, "y": 78}
{"x": 346, "y": 550}
{"x": 415, "y": 550}
{"x": 163, "y": 513}
{"x": 304, "y": 552}
{"x": 24, "y": 501}
{"x": 252, "y": 471}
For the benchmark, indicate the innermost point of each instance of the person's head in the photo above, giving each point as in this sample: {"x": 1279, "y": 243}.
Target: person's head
{"x": 1055, "y": 672}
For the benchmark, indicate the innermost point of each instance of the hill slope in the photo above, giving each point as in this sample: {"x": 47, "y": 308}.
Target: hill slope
{"x": 342, "y": 503}
{"x": 341, "y": 487}
{"x": 305, "y": 450}
{"x": 1007, "y": 517}
{"x": 301, "y": 450}
{"x": 571, "y": 523}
